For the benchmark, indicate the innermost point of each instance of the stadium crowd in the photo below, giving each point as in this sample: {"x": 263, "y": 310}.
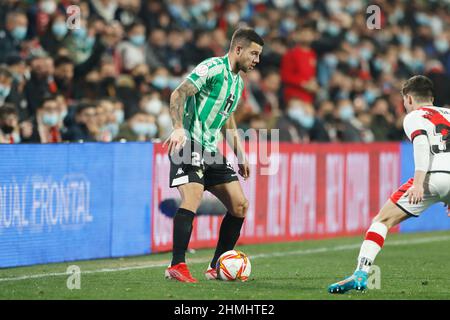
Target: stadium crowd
{"x": 323, "y": 76}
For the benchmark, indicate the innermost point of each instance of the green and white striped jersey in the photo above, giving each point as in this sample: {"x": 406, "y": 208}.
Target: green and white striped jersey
{"x": 219, "y": 91}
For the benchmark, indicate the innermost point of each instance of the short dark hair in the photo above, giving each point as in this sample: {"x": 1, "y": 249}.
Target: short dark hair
{"x": 134, "y": 24}
{"x": 420, "y": 87}
{"x": 6, "y": 110}
{"x": 47, "y": 97}
{"x": 84, "y": 105}
{"x": 245, "y": 36}
{"x": 60, "y": 60}
{"x": 15, "y": 13}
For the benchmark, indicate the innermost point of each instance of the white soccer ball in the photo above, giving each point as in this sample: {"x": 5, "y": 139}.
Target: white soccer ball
{"x": 233, "y": 265}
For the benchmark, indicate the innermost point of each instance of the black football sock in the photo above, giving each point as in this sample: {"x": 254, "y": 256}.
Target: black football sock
{"x": 182, "y": 229}
{"x": 229, "y": 233}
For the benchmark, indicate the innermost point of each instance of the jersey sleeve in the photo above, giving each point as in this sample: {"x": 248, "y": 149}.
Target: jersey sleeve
{"x": 205, "y": 73}
{"x": 414, "y": 125}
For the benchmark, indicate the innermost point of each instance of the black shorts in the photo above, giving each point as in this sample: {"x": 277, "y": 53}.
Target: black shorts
{"x": 194, "y": 164}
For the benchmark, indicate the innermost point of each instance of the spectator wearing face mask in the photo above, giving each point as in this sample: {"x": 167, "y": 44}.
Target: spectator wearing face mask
{"x": 140, "y": 127}
{"x": 85, "y": 127}
{"x": 128, "y": 12}
{"x": 107, "y": 121}
{"x": 132, "y": 50}
{"x": 14, "y": 34}
{"x": 40, "y": 16}
{"x": 119, "y": 111}
{"x": 53, "y": 39}
{"x": 151, "y": 104}
{"x": 348, "y": 128}
{"x": 293, "y": 124}
{"x": 47, "y": 123}
{"x": 309, "y": 127}
{"x": 163, "y": 82}
{"x": 9, "y": 125}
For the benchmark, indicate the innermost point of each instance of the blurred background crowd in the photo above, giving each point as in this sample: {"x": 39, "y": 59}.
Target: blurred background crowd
{"x": 324, "y": 75}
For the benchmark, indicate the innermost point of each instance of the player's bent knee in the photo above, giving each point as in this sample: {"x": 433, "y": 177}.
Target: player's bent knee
{"x": 240, "y": 209}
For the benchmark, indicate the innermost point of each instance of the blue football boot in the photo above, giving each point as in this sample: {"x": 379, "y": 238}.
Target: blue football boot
{"x": 357, "y": 281}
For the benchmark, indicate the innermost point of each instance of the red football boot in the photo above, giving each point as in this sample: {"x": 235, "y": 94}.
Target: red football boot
{"x": 179, "y": 272}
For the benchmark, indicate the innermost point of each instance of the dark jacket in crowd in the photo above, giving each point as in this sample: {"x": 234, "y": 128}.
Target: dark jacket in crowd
{"x": 78, "y": 132}
{"x": 8, "y": 46}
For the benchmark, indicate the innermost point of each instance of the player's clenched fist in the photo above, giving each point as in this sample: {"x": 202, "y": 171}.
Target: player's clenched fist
{"x": 176, "y": 140}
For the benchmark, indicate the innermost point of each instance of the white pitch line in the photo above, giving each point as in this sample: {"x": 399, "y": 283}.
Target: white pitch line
{"x": 256, "y": 256}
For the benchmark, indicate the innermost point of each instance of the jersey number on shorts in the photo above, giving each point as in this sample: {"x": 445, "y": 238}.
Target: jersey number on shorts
{"x": 197, "y": 161}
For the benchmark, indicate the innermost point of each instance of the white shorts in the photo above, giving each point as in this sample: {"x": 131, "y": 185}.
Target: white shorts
{"x": 436, "y": 189}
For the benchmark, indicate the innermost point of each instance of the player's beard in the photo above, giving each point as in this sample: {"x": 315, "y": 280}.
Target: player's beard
{"x": 241, "y": 67}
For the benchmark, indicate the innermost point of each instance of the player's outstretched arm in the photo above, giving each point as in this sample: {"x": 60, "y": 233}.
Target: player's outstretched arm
{"x": 177, "y": 100}
{"x": 232, "y": 137}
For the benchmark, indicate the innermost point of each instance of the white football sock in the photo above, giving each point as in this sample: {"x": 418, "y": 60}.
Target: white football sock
{"x": 371, "y": 245}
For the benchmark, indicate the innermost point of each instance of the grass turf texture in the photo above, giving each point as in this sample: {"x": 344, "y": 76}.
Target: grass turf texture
{"x": 413, "y": 266}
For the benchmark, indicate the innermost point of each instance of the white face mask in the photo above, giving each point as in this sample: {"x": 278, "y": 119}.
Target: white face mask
{"x": 153, "y": 106}
{"x": 16, "y": 137}
{"x": 48, "y": 6}
{"x": 4, "y": 91}
{"x": 233, "y": 17}
{"x": 120, "y": 116}
{"x": 165, "y": 121}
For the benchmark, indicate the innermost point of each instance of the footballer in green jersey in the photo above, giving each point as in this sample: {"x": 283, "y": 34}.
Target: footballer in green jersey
{"x": 200, "y": 107}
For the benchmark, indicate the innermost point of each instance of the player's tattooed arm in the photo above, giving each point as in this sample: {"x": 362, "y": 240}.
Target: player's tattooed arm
{"x": 178, "y": 137}
{"x": 177, "y": 101}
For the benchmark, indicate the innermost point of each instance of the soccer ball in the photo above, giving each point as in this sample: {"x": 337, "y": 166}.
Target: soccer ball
{"x": 233, "y": 265}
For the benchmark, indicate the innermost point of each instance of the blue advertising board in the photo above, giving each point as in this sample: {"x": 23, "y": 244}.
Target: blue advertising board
{"x": 63, "y": 202}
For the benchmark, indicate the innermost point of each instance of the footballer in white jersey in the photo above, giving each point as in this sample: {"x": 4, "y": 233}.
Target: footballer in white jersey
{"x": 428, "y": 128}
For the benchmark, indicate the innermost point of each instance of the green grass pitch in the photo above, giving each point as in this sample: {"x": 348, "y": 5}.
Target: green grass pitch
{"x": 413, "y": 266}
